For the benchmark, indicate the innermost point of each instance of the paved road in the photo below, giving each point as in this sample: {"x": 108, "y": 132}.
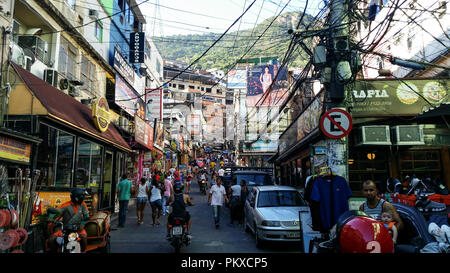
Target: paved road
{"x": 206, "y": 238}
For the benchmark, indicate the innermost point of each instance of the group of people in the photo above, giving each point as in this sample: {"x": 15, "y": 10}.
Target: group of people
{"x": 156, "y": 190}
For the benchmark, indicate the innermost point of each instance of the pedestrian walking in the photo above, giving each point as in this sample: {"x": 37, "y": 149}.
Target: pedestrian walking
{"x": 217, "y": 196}
{"x": 124, "y": 193}
{"x": 143, "y": 192}
{"x": 168, "y": 190}
{"x": 155, "y": 202}
{"x": 235, "y": 202}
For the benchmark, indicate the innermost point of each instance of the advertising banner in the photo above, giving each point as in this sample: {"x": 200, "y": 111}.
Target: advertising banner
{"x": 154, "y": 103}
{"x": 45, "y": 200}
{"x": 310, "y": 118}
{"x": 395, "y": 97}
{"x": 259, "y": 81}
{"x": 128, "y": 100}
{"x": 14, "y": 150}
{"x": 143, "y": 133}
{"x": 262, "y": 146}
{"x": 237, "y": 78}
{"x": 159, "y": 135}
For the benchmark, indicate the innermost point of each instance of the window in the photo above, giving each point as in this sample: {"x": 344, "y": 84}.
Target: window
{"x": 55, "y": 157}
{"x": 67, "y": 59}
{"x": 208, "y": 90}
{"x": 99, "y": 31}
{"x": 181, "y": 86}
{"x": 280, "y": 199}
{"x": 88, "y": 173}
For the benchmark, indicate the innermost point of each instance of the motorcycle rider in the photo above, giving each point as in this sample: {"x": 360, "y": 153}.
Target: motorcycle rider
{"x": 74, "y": 212}
{"x": 178, "y": 202}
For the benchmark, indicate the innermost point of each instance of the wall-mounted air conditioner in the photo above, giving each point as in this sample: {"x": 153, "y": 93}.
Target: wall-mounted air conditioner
{"x": 373, "y": 135}
{"x": 408, "y": 135}
{"x": 51, "y": 76}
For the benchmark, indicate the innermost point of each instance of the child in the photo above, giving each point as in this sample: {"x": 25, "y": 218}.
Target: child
{"x": 386, "y": 218}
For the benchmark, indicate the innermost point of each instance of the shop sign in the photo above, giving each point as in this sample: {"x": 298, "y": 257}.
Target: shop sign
{"x": 124, "y": 69}
{"x": 395, "y": 97}
{"x": 143, "y": 133}
{"x": 15, "y": 150}
{"x": 100, "y": 112}
{"x": 181, "y": 141}
{"x": 137, "y": 40}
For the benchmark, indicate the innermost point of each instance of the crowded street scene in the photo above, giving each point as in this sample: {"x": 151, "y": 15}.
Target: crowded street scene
{"x": 269, "y": 129}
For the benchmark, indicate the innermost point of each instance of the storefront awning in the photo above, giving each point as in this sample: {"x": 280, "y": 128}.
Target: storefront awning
{"x": 58, "y": 106}
{"x": 441, "y": 110}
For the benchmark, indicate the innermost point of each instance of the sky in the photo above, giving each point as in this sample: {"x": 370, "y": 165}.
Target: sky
{"x": 171, "y": 17}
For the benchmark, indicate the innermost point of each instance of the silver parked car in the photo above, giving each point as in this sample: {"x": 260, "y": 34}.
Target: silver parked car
{"x": 272, "y": 213}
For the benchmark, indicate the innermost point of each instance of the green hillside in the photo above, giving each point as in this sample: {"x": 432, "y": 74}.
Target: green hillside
{"x": 224, "y": 54}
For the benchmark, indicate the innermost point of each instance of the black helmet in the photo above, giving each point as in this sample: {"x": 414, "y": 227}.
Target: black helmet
{"x": 77, "y": 195}
{"x": 178, "y": 188}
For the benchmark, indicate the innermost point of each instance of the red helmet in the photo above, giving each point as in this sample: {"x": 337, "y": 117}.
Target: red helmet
{"x": 358, "y": 233}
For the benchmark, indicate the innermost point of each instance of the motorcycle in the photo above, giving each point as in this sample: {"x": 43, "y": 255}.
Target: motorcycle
{"x": 203, "y": 185}
{"x": 178, "y": 234}
{"x": 67, "y": 238}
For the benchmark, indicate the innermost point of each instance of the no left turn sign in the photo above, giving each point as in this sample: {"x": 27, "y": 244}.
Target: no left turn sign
{"x": 336, "y": 123}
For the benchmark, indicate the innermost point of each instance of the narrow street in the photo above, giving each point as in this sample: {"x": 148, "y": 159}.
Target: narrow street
{"x": 206, "y": 238}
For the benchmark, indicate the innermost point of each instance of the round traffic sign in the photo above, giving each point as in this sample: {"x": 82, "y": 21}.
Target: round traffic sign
{"x": 336, "y": 123}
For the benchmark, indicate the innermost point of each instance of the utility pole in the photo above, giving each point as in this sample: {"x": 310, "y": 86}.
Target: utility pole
{"x": 338, "y": 72}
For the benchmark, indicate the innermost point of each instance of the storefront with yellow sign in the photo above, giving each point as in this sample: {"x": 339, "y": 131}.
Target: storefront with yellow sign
{"x": 80, "y": 147}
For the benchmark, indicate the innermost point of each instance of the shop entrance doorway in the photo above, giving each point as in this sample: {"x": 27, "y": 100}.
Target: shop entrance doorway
{"x": 107, "y": 181}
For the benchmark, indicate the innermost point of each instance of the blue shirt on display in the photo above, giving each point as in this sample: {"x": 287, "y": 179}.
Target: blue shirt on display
{"x": 321, "y": 192}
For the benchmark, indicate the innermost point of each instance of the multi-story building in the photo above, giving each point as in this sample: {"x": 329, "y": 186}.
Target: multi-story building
{"x": 198, "y": 100}
{"x": 74, "y": 86}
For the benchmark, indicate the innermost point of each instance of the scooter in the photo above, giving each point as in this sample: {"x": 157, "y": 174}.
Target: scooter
{"x": 178, "y": 234}
{"x": 203, "y": 185}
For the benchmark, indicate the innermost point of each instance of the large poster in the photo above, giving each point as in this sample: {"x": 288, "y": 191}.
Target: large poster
{"x": 159, "y": 136}
{"x": 153, "y": 99}
{"x": 395, "y": 97}
{"x": 128, "y": 100}
{"x": 260, "y": 80}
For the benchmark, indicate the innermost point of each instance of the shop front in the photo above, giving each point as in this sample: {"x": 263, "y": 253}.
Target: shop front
{"x": 80, "y": 147}
{"x": 401, "y": 129}
{"x": 297, "y": 153}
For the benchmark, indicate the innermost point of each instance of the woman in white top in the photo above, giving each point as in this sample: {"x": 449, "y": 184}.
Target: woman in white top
{"x": 155, "y": 202}
{"x": 141, "y": 200}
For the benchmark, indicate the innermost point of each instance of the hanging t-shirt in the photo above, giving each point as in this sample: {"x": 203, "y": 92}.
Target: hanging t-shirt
{"x": 321, "y": 192}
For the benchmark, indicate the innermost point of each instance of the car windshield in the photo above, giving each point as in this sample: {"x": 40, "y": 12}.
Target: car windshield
{"x": 280, "y": 199}
{"x": 253, "y": 179}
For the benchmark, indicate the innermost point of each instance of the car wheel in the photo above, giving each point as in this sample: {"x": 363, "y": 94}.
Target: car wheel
{"x": 259, "y": 242}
